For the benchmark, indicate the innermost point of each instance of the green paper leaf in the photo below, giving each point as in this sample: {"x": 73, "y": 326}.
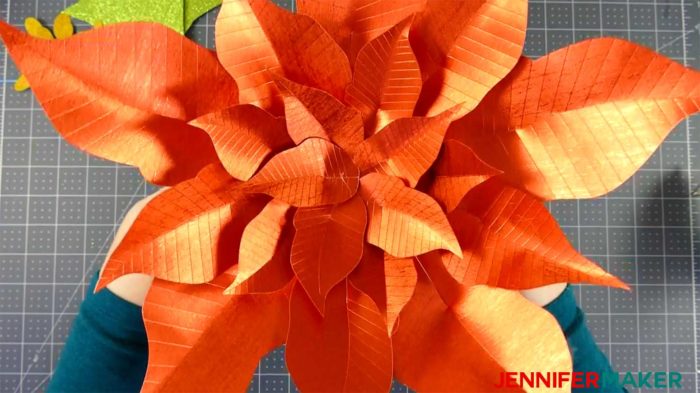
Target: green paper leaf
{"x": 176, "y": 14}
{"x": 196, "y": 8}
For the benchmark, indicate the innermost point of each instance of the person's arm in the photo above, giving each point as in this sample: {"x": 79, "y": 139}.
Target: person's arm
{"x": 107, "y": 349}
{"x": 585, "y": 353}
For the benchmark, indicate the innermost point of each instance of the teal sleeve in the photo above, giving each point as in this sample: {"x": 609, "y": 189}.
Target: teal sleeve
{"x": 586, "y": 355}
{"x": 106, "y": 350}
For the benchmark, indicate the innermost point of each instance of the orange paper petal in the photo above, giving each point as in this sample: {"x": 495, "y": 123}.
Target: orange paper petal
{"x": 327, "y": 246}
{"x": 260, "y": 240}
{"x": 202, "y": 340}
{"x": 314, "y": 173}
{"x": 386, "y": 81}
{"x": 140, "y": 117}
{"x": 353, "y": 23}
{"x": 188, "y": 233}
{"x": 348, "y": 350}
{"x": 256, "y": 38}
{"x": 464, "y": 348}
{"x": 405, "y": 148}
{"x": 458, "y": 170}
{"x": 510, "y": 240}
{"x": 243, "y": 136}
{"x": 402, "y": 221}
{"x": 387, "y": 280}
{"x": 579, "y": 122}
{"x": 273, "y": 275}
{"x": 313, "y": 113}
{"x": 466, "y": 48}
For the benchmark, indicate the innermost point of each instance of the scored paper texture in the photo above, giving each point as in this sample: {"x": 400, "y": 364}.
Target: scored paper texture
{"x": 59, "y": 209}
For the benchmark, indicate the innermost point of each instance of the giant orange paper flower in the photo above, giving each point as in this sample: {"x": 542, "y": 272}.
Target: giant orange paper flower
{"x": 362, "y": 181}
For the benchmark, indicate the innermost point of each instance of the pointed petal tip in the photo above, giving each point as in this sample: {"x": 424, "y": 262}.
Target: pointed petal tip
{"x": 10, "y": 34}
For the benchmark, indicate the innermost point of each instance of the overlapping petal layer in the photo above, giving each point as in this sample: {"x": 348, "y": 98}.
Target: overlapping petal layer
{"x": 141, "y": 117}
{"x": 580, "y": 121}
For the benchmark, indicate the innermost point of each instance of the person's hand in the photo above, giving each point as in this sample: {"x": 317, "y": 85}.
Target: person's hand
{"x": 131, "y": 287}
{"x": 542, "y": 296}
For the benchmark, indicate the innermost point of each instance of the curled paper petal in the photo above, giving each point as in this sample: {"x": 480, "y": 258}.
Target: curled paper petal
{"x": 243, "y": 136}
{"x": 255, "y": 40}
{"x": 458, "y": 170}
{"x": 465, "y": 48}
{"x": 510, "y": 240}
{"x": 353, "y": 23}
{"x": 406, "y": 148}
{"x": 314, "y": 173}
{"x": 402, "y": 221}
{"x": 386, "y": 82}
{"x": 188, "y": 233}
{"x": 347, "y": 350}
{"x": 481, "y": 340}
{"x": 275, "y": 274}
{"x": 579, "y": 122}
{"x": 260, "y": 239}
{"x": 139, "y": 118}
{"x": 195, "y": 332}
{"x": 327, "y": 246}
{"x": 387, "y": 280}
{"x": 313, "y": 113}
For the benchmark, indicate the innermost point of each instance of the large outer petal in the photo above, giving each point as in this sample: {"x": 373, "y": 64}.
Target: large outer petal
{"x": 347, "y": 350}
{"x": 510, "y": 240}
{"x": 464, "y": 348}
{"x": 465, "y": 48}
{"x": 402, "y": 221}
{"x": 202, "y": 340}
{"x": 189, "y": 233}
{"x": 458, "y": 170}
{"x": 316, "y": 172}
{"x": 311, "y": 112}
{"x": 353, "y": 23}
{"x": 138, "y": 118}
{"x": 406, "y": 148}
{"x": 579, "y": 122}
{"x": 243, "y": 136}
{"x": 386, "y": 81}
{"x": 327, "y": 246}
{"x": 256, "y": 39}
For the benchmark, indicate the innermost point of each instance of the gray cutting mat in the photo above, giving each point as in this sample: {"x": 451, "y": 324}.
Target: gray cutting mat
{"x": 59, "y": 208}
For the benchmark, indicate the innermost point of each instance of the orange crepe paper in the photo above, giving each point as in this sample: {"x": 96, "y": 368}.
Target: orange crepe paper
{"x": 387, "y": 81}
{"x": 313, "y": 113}
{"x": 122, "y": 119}
{"x": 402, "y": 221}
{"x": 314, "y": 173}
{"x": 260, "y": 240}
{"x": 458, "y": 171}
{"x": 319, "y": 232}
{"x": 579, "y": 122}
{"x": 353, "y": 23}
{"x": 381, "y": 176}
{"x": 347, "y": 350}
{"x": 187, "y": 234}
{"x": 465, "y": 347}
{"x": 405, "y": 148}
{"x": 244, "y": 136}
{"x": 387, "y": 280}
{"x": 256, "y": 39}
{"x": 465, "y": 48}
{"x": 225, "y": 337}
{"x": 510, "y": 240}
